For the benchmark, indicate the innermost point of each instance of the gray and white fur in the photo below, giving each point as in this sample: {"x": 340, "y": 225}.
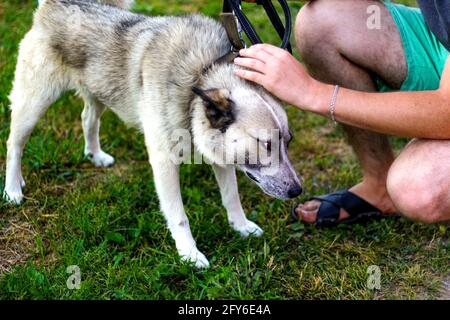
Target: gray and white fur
{"x": 151, "y": 72}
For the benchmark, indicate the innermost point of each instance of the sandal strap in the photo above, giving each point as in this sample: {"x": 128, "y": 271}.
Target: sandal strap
{"x": 328, "y": 214}
{"x": 355, "y": 205}
{"x": 330, "y": 208}
{"x": 334, "y": 198}
{"x": 332, "y": 204}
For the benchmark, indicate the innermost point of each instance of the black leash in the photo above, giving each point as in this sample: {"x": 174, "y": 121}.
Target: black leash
{"x": 233, "y": 18}
{"x": 234, "y": 7}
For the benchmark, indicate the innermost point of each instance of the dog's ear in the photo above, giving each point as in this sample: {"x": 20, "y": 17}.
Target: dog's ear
{"x": 219, "y": 107}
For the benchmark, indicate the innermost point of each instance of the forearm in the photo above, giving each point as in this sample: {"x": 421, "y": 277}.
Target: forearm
{"x": 422, "y": 114}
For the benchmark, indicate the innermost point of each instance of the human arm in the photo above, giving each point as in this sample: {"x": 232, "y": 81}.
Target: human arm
{"x": 422, "y": 114}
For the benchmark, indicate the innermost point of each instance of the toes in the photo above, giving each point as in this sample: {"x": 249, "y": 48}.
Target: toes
{"x": 201, "y": 262}
{"x": 195, "y": 257}
{"x": 307, "y": 212}
{"x": 249, "y": 229}
{"x": 307, "y": 216}
{"x": 101, "y": 159}
{"x": 13, "y": 197}
{"x": 105, "y": 162}
{"x": 311, "y": 205}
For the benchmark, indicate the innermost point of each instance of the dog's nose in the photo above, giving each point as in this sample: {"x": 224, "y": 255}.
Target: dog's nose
{"x": 295, "y": 191}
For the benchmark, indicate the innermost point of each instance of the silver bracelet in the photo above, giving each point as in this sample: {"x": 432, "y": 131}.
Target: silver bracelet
{"x": 333, "y": 104}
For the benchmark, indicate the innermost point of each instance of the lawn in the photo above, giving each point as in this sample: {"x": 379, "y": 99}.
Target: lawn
{"x": 107, "y": 221}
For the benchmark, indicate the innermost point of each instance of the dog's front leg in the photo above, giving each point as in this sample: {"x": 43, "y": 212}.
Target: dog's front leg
{"x": 167, "y": 182}
{"x": 226, "y": 178}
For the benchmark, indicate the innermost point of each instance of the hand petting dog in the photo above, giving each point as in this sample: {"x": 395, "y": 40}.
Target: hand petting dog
{"x": 415, "y": 114}
{"x": 277, "y": 71}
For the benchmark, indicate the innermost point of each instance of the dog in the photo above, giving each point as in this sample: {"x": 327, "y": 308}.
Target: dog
{"x": 159, "y": 75}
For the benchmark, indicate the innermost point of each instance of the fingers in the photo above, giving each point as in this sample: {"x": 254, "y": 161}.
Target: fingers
{"x": 251, "y": 76}
{"x": 249, "y": 63}
{"x": 268, "y": 49}
{"x": 255, "y": 53}
{"x": 261, "y": 59}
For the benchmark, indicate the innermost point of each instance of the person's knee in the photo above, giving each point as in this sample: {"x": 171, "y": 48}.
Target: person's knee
{"x": 415, "y": 198}
{"x": 312, "y": 27}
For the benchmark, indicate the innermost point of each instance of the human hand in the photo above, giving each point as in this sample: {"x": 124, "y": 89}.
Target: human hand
{"x": 278, "y": 72}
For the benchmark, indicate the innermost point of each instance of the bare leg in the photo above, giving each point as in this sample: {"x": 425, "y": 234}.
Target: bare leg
{"x": 226, "y": 178}
{"x": 423, "y": 196}
{"x": 91, "y": 126}
{"x": 338, "y": 48}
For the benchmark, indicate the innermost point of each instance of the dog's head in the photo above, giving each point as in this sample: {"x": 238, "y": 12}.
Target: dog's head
{"x": 243, "y": 125}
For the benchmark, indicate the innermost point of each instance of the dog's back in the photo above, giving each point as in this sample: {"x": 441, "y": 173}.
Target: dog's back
{"x": 124, "y": 4}
{"x": 97, "y": 42}
{"x": 80, "y": 29}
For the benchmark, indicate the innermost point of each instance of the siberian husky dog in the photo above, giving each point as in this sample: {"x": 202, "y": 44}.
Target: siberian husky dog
{"x": 157, "y": 74}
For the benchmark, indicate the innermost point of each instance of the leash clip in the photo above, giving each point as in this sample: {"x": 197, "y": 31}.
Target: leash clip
{"x": 243, "y": 24}
{"x": 234, "y": 31}
{"x": 236, "y": 24}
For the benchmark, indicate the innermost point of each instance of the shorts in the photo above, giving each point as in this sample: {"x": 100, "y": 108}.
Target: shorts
{"x": 425, "y": 55}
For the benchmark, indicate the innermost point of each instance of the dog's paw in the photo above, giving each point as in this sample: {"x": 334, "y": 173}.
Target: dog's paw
{"x": 13, "y": 197}
{"x": 248, "y": 229}
{"x": 101, "y": 159}
{"x": 196, "y": 257}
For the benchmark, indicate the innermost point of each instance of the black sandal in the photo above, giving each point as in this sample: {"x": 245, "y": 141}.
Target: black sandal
{"x": 359, "y": 210}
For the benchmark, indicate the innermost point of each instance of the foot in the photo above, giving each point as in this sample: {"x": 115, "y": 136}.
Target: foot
{"x": 376, "y": 196}
{"x": 248, "y": 228}
{"x": 13, "y": 196}
{"x": 100, "y": 159}
{"x": 196, "y": 257}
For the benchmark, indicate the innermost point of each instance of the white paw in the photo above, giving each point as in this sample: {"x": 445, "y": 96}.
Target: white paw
{"x": 249, "y": 228}
{"x": 196, "y": 257}
{"x": 100, "y": 159}
{"x": 13, "y": 197}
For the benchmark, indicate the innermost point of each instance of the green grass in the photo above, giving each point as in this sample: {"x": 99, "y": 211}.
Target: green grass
{"x": 107, "y": 221}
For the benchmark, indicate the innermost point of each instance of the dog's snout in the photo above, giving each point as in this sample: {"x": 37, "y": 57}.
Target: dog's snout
{"x": 295, "y": 191}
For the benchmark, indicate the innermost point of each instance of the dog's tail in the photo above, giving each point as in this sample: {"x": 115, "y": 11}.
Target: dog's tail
{"x": 124, "y": 4}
